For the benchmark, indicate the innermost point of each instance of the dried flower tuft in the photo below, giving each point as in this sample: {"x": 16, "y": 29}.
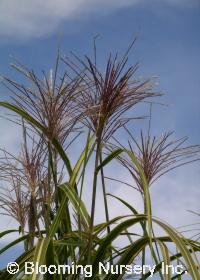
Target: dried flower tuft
{"x": 106, "y": 97}
{"x": 158, "y": 155}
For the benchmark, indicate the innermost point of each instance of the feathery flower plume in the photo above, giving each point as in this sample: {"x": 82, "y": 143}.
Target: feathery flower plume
{"x": 158, "y": 155}
{"x": 107, "y": 96}
{"x": 50, "y": 99}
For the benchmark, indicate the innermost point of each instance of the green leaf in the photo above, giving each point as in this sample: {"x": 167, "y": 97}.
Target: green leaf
{"x": 166, "y": 258}
{"x": 173, "y": 257}
{"x": 3, "y": 233}
{"x": 131, "y": 208}
{"x": 77, "y": 203}
{"x": 24, "y": 115}
{"x": 147, "y": 199}
{"x": 13, "y": 243}
{"x": 181, "y": 245}
{"x": 129, "y": 255}
{"x": 109, "y": 158}
{"x": 103, "y": 248}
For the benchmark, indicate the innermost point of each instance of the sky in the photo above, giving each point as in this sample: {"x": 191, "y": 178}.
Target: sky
{"x": 168, "y": 47}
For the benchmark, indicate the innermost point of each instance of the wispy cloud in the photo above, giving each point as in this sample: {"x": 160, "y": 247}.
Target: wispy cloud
{"x": 11, "y": 136}
{"x": 34, "y": 18}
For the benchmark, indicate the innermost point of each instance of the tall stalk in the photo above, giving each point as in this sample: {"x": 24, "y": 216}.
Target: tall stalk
{"x": 104, "y": 194}
{"x": 105, "y": 203}
{"x": 94, "y": 190}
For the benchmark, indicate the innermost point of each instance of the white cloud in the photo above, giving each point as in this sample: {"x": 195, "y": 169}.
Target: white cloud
{"x": 24, "y": 19}
{"x": 35, "y": 18}
{"x": 11, "y": 133}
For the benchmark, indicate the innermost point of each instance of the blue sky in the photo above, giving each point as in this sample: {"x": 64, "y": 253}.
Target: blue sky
{"x": 168, "y": 43}
{"x": 168, "y": 46}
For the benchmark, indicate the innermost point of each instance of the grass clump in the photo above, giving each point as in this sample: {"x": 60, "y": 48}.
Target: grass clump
{"x": 45, "y": 192}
